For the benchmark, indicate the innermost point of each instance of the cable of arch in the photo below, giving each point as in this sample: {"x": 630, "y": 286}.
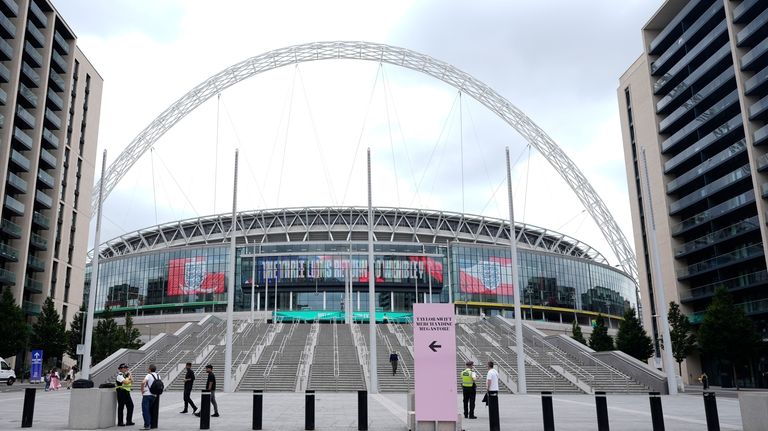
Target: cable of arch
{"x": 356, "y": 50}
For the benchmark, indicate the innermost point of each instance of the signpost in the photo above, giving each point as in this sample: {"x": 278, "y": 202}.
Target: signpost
{"x": 36, "y": 373}
{"x": 434, "y": 346}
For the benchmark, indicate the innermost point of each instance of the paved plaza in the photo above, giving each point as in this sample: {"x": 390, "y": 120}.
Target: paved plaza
{"x": 338, "y": 411}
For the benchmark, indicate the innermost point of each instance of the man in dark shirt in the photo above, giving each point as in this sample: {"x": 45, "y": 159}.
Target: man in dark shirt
{"x": 189, "y": 381}
{"x": 210, "y": 385}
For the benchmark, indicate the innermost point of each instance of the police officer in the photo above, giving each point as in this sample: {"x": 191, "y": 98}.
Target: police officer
{"x": 469, "y": 390}
{"x": 123, "y": 382}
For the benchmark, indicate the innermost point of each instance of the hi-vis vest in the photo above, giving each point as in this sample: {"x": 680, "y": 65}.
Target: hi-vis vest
{"x": 126, "y": 386}
{"x": 466, "y": 378}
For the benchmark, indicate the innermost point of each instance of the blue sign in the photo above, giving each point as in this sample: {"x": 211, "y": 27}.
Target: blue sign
{"x": 36, "y": 373}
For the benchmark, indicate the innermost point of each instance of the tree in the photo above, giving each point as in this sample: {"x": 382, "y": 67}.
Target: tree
{"x": 600, "y": 340}
{"x": 107, "y": 337}
{"x": 632, "y": 338}
{"x": 129, "y": 335}
{"x": 681, "y": 334}
{"x": 576, "y": 333}
{"x": 49, "y": 332}
{"x": 14, "y": 326}
{"x": 75, "y": 333}
{"x": 726, "y": 333}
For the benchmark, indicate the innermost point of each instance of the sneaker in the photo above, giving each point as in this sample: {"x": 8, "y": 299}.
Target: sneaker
{"x": 129, "y": 424}
{"x": 121, "y": 425}
{"x": 196, "y": 414}
{"x": 473, "y": 417}
{"x": 215, "y": 415}
{"x": 183, "y": 411}
{"x": 194, "y": 409}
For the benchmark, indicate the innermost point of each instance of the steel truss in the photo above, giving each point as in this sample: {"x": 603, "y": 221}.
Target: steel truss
{"x": 353, "y": 50}
{"x": 346, "y": 224}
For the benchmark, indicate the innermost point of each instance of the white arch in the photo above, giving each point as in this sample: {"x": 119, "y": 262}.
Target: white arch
{"x": 353, "y": 50}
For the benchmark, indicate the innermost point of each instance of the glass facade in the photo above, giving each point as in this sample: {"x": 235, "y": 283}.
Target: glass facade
{"x": 312, "y": 276}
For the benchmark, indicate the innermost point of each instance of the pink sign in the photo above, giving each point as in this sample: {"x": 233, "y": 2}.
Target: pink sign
{"x": 434, "y": 348}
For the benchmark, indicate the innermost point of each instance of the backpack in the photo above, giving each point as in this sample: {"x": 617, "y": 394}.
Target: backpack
{"x": 157, "y": 386}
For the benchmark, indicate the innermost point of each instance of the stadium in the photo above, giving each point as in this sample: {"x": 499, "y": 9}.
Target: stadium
{"x": 297, "y": 262}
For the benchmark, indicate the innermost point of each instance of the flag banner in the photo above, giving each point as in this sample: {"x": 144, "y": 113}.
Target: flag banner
{"x": 491, "y": 277}
{"x": 190, "y": 276}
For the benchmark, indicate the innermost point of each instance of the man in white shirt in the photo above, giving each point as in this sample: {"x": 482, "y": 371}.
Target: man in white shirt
{"x": 492, "y": 379}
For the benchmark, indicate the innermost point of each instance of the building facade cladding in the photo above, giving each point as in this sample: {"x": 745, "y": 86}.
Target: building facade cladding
{"x": 693, "y": 114}
{"x": 50, "y": 97}
{"x": 311, "y": 275}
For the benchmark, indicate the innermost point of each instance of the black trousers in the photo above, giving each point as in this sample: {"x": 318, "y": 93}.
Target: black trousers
{"x": 124, "y": 401}
{"x": 188, "y": 399}
{"x": 468, "y": 397}
{"x": 394, "y": 367}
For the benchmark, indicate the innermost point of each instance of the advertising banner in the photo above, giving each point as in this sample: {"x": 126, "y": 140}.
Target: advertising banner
{"x": 491, "y": 277}
{"x": 190, "y": 276}
{"x": 36, "y": 372}
{"x": 332, "y": 269}
{"x": 434, "y": 349}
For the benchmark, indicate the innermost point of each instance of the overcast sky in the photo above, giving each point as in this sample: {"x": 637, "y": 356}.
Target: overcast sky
{"x": 302, "y": 131}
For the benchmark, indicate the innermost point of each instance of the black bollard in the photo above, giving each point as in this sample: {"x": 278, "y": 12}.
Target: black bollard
{"x": 710, "y": 409}
{"x": 29, "y": 408}
{"x": 493, "y": 411}
{"x": 257, "y": 409}
{"x": 657, "y": 415}
{"x": 362, "y": 410}
{"x": 205, "y": 410}
{"x": 546, "y": 407}
{"x": 309, "y": 411}
{"x": 155, "y": 412}
{"x": 601, "y": 404}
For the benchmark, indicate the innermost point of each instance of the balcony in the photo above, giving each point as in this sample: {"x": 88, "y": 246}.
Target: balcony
{"x": 710, "y": 189}
{"x": 759, "y": 109}
{"x": 41, "y": 221}
{"x": 20, "y": 161}
{"x": 685, "y": 133}
{"x": 3, "y": 96}
{"x": 757, "y": 83}
{"x": 753, "y": 31}
{"x": 43, "y": 199}
{"x": 713, "y": 162}
{"x": 33, "y": 286}
{"x": 761, "y": 135}
{"x": 57, "y": 103}
{"x": 6, "y": 50}
{"x": 8, "y": 253}
{"x": 27, "y": 98}
{"x": 688, "y": 108}
{"x": 45, "y": 179}
{"x": 58, "y": 63}
{"x": 33, "y": 55}
{"x": 21, "y": 137}
{"x": 755, "y": 57}
{"x": 736, "y": 256}
{"x": 14, "y": 206}
{"x": 7, "y": 29}
{"x": 5, "y": 74}
{"x": 36, "y": 37}
{"x": 7, "y": 278}
{"x": 9, "y": 7}
{"x": 30, "y": 308}
{"x": 47, "y": 159}
{"x": 744, "y": 10}
{"x": 50, "y": 139}
{"x": 30, "y": 77}
{"x": 26, "y": 119}
{"x": 732, "y": 231}
{"x": 731, "y": 284}
{"x": 58, "y": 82}
{"x": 35, "y": 263}
{"x": 718, "y": 58}
{"x": 60, "y": 44}
{"x": 37, "y": 15}
{"x": 52, "y": 120}
{"x": 16, "y": 183}
{"x": 38, "y": 242}
{"x": 663, "y": 38}
{"x": 719, "y": 210}
{"x": 10, "y": 229}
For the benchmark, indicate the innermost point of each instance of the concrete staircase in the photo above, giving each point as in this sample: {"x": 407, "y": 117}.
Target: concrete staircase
{"x": 335, "y": 366}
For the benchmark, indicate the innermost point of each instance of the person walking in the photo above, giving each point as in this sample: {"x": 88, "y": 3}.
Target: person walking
{"x": 148, "y": 398}
{"x": 55, "y": 382}
{"x": 704, "y": 379}
{"x": 189, "y": 381}
{"x": 123, "y": 382}
{"x": 210, "y": 385}
{"x": 469, "y": 390}
{"x": 71, "y": 376}
{"x": 393, "y": 359}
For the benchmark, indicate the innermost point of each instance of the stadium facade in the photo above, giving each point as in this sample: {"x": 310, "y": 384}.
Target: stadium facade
{"x": 300, "y": 258}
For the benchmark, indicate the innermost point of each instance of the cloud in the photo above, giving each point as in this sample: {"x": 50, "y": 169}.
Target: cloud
{"x": 302, "y": 131}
